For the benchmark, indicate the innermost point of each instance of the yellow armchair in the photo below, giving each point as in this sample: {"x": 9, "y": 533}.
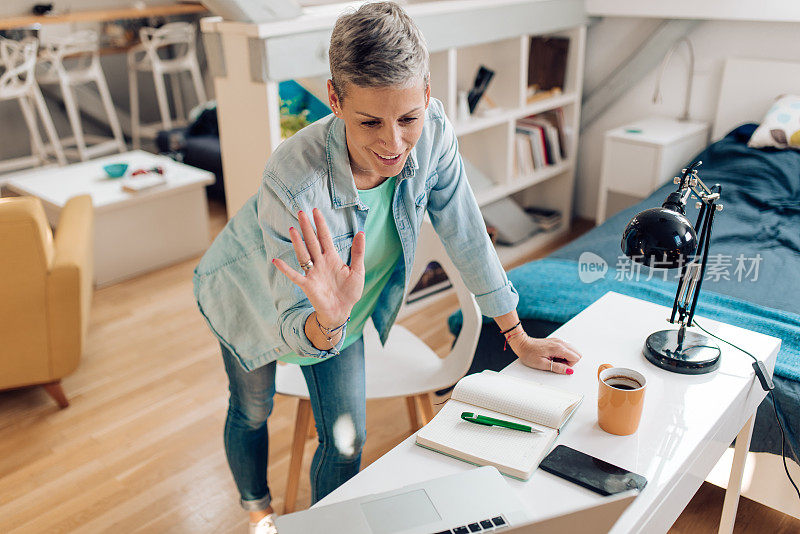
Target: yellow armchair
{"x": 45, "y": 292}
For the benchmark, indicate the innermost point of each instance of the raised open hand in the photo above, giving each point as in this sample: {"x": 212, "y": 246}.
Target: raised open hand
{"x": 331, "y": 286}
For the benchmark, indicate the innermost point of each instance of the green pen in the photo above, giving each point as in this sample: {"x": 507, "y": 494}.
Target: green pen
{"x": 491, "y": 421}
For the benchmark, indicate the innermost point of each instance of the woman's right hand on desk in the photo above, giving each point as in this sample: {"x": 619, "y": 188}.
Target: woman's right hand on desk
{"x": 331, "y": 286}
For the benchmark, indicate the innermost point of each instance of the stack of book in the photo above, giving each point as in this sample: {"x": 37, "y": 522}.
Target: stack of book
{"x": 545, "y": 218}
{"x": 540, "y": 141}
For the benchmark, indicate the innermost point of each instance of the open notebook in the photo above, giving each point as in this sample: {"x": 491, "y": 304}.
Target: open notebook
{"x": 492, "y": 394}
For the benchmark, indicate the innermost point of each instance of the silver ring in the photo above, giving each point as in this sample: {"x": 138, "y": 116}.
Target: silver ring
{"x": 551, "y": 365}
{"x": 307, "y": 265}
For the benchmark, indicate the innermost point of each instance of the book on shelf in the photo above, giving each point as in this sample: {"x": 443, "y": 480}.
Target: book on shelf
{"x": 555, "y": 117}
{"x": 544, "y": 133}
{"x": 552, "y": 145}
{"x": 546, "y": 219}
{"x": 534, "y": 136}
{"x": 524, "y": 150}
{"x": 513, "y": 452}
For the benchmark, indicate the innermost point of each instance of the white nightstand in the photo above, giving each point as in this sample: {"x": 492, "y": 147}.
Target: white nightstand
{"x": 640, "y": 156}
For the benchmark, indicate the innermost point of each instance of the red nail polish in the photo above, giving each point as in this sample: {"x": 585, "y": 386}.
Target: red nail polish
{"x": 291, "y": 228}
{"x": 273, "y": 260}
{"x": 300, "y": 212}
{"x": 570, "y": 371}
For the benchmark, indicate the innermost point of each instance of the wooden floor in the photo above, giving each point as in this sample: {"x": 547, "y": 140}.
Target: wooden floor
{"x": 140, "y": 447}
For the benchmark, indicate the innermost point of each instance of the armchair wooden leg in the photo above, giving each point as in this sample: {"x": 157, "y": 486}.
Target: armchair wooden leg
{"x": 296, "y": 461}
{"x": 55, "y": 391}
{"x": 412, "y": 413}
{"x": 425, "y": 407}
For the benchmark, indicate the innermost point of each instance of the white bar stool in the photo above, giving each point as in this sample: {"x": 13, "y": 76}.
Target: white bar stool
{"x": 73, "y": 61}
{"x": 17, "y": 82}
{"x": 182, "y": 58}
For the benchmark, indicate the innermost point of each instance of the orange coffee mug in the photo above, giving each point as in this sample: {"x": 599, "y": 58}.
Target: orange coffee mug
{"x": 620, "y": 399}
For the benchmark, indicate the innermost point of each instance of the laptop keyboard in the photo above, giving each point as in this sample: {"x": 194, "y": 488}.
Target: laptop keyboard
{"x": 493, "y": 524}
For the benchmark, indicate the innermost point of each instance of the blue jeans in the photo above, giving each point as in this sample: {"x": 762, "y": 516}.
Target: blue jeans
{"x": 337, "y": 390}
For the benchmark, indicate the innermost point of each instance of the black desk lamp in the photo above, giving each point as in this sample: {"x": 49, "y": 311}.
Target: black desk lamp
{"x": 663, "y": 237}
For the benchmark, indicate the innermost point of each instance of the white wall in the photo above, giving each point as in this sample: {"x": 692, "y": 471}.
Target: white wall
{"x": 613, "y": 39}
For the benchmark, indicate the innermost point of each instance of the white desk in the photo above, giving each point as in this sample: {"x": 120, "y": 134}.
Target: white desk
{"x": 133, "y": 232}
{"x": 687, "y": 422}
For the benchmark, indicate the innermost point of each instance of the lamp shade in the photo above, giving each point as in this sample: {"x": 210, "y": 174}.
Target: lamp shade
{"x": 660, "y": 237}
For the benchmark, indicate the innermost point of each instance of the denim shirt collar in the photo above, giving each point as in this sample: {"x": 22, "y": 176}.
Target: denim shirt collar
{"x": 343, "y": 186}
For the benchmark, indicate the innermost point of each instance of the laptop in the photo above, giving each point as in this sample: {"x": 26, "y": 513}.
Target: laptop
{"x": 597, "y": 519}
{"x": 478, "y": 500}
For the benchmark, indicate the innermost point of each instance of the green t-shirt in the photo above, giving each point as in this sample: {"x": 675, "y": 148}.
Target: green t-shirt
{"x": 383, "y": 251}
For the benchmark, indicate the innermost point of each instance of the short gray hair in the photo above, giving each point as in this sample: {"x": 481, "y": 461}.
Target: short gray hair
{"x": 377, "y": 46}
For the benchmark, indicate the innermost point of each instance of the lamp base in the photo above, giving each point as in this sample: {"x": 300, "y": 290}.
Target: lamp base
{"x": 696, "y": 355}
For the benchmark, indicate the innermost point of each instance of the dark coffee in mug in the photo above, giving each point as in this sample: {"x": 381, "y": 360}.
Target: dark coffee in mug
{"x": 622, "y": 382}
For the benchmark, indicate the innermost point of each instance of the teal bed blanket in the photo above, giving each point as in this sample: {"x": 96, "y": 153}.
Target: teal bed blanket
{"x": 560, "y": 295}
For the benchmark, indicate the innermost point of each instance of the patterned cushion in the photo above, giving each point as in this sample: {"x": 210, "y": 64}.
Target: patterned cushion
{"x": 781, "y": 125}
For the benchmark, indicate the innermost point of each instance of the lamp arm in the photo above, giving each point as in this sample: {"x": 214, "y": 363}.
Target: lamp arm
{"x": 682, "y": 181}
{"x": 692, "y": 274}
{"x": 707, "y": 223}
{"x": 686, "y": 273}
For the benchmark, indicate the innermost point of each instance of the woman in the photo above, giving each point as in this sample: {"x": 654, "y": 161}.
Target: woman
{"x": 277, "y": 284}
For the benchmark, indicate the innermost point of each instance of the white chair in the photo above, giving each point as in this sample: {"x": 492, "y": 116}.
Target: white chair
{"x": 17, "y": 82}
{"x": 404, "y": 367}
{"x": 169, "y": 49}
{"x": 73, "y": 61}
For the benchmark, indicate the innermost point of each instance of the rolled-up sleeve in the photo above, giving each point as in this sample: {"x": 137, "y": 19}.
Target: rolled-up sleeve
{"x": 457, "y": 219}
{"x": 292, "y": 305}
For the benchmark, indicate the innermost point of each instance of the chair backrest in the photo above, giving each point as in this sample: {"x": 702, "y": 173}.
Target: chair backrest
{"x": 430, "y": 249}
{"x": 26, "y": 249}
{"x": 17, "y": 61}
{"x": 179, "y": 35}
{"x": 77, "y": 51}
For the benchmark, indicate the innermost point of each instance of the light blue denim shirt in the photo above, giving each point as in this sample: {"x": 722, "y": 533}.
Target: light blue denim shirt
{"x": 259, "y": 314}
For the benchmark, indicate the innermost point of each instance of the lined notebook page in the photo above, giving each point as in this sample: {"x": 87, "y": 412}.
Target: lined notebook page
{"x": 508, "y": 395}
{"x": 513, "y": 452}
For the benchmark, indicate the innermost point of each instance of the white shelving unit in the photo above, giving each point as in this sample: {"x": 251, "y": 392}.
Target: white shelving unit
{"x": 487, "y": 141}
{"x": 248, "y": 61}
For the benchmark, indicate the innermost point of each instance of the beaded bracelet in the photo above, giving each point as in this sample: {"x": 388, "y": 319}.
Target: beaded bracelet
{"x": 330, "y": 332}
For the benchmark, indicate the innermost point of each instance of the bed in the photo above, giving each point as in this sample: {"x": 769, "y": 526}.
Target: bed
{"x": 755, "y": 249}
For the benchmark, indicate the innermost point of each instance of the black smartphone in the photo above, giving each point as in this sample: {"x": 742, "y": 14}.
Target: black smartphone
{"x": 590, "y": 472}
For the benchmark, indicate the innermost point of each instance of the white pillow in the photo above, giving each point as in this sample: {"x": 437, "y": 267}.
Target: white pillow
{"x": 781, "y": 125}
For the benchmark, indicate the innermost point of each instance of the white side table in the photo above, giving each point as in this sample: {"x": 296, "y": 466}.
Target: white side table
{"x": 133, "y": 232}
{"x": 639, "y": 157}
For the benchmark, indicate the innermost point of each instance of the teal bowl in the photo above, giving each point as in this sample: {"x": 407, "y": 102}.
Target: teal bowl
{"x": 115, "y": 170}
